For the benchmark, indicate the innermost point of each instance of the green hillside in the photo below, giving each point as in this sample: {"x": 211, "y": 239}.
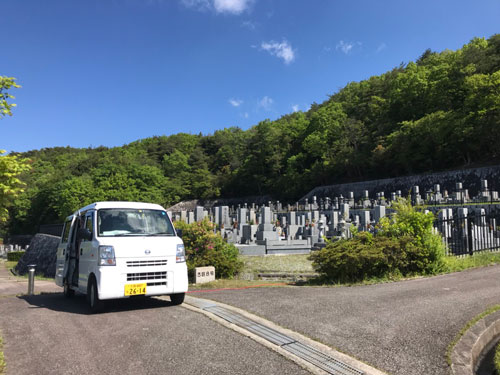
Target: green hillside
{"x": 440, "y": 112}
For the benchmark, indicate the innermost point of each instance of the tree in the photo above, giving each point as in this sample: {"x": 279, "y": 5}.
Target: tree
{"x": 10, "y": 165}
{"x": 10, "y": 185}
{"x": 6, "y": 83}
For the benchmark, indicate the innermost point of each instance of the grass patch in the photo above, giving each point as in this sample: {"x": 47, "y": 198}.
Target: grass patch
{"x": 452, "y": 264}
{"x": 232, "y": 284}
{"x": 496, "y": 360}
{"x": 471, "y": 322}
{"x": 455, "y": 264}
{"x": 10, "y": 265}
{"x": 298, "y": 263}
{"x": 3, "y": 365}
{"x": 254, "y": 265}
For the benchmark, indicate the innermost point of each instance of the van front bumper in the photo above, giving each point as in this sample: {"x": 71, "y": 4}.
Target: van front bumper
{"x": 111, "y": 280}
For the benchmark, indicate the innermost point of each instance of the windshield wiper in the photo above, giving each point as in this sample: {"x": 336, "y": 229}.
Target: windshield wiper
{"x": 160, "y": 234}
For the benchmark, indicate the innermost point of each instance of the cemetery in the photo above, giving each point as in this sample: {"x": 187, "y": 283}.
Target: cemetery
{"x": 467, "y": 223}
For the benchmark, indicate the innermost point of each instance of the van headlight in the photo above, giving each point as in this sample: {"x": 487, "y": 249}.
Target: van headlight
{"x": 180, "y": 254}
{"x": 107, "y": 256}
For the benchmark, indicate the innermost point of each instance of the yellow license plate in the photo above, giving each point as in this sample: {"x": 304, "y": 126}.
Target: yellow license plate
{"x": 135, "y": 289}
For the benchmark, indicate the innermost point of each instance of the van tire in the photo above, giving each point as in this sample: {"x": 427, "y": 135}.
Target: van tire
{"x": 177, "y": 299}
{"x": 95, "y": 304}
{"x": 68, "y": 292}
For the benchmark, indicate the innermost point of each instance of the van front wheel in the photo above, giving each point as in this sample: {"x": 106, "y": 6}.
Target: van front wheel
{"x": 93, "y": 296}
{"x": 177, "y": 299}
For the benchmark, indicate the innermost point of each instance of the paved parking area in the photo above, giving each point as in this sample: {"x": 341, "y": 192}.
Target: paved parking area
{"x": 401, "y": 328}
{"x": 49, "y": 334}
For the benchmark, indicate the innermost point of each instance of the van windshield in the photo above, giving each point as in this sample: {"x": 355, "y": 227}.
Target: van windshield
{"x": 118, "y": 222}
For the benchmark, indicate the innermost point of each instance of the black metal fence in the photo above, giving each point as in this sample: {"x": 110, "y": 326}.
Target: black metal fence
{"x": 466, "y": 235}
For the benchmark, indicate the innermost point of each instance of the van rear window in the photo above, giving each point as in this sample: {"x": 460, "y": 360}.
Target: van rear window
{"x": 119, "y": 222}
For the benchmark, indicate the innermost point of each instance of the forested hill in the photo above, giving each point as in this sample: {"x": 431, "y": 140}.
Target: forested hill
{"x": 440, "y": 112}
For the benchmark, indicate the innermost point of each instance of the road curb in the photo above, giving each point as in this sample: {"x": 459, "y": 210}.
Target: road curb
{"x": 467, "y": 351}
{"x": 367, "y": 370}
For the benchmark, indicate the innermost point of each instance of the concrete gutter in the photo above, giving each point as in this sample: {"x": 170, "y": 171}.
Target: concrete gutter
{"x": 467, "y": 352}
{"x": 192, "y": 303}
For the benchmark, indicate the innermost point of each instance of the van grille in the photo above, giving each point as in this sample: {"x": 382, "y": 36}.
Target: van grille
{"x": 146, "y": 263}
{"x": 158, "y": 283}
{"x": 146, "y": 276}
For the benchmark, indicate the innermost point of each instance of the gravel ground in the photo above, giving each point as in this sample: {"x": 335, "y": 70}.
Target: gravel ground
{"x": 401, "y": 327}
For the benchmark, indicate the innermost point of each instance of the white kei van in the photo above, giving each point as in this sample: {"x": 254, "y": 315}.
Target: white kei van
{"x": 121, "y": 249}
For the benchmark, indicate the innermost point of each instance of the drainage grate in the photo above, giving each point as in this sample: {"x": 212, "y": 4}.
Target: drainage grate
{"x": 231, "y": 317}
{"x": 270, "y": 335}
{"x": 267, "y": 333}
{"x": 320, "y": 360}
{"x": 306, "y": 352}
{"x": 201, "y": 303}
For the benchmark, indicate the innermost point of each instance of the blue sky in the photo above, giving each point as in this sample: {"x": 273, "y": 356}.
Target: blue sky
{"x": 108, "y": 72}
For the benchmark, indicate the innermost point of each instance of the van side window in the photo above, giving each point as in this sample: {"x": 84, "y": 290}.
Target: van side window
{"x": 89, "y": 222}
{"x": 67, "y": 226}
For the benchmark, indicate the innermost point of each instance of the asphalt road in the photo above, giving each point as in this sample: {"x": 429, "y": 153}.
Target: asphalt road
{"x": 402, "y": 328}
{"x": 49, "y": 334}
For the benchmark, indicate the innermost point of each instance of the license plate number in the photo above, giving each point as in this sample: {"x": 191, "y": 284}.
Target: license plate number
{"x": 135, "y": 289}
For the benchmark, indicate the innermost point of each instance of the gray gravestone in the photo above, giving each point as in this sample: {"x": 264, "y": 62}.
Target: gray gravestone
{"x": 198, "y": 213}
{"x": 379, "y": 213}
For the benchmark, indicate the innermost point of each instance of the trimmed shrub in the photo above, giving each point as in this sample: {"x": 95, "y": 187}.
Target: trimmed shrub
{"x": 14, "y": 256}
{"x": 404, "y": 244}
{"x": 204, "y": 247}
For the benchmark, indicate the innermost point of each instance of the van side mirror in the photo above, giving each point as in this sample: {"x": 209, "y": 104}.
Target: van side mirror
{"x": 83, "y": 234}
{"x": 179, "y": 233}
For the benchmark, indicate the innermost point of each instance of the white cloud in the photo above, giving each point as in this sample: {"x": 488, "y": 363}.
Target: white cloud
{"x": 345, "y": 47}
{"x": 235, "y": 102}
{"x": 282, "y": 50}
{"x": 381, "y": 47}
{"x": 202, "y": 5}
{"x": 266, "y": 103}
{"x": 219, "y": 6}
{"x": 231, "y": 6}
{"x": 249, "y": 25}
{"x": 295, "y": 107}
{"x": 245, "y": 115}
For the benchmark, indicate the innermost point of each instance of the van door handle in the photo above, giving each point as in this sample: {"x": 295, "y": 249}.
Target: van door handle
{"x": 81, "y": 251}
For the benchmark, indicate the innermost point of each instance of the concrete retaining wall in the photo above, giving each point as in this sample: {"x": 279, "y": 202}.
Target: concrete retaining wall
{"x": 471, "y": 179}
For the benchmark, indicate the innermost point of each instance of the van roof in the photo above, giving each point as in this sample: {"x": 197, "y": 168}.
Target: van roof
{"x": 137, "y": 205}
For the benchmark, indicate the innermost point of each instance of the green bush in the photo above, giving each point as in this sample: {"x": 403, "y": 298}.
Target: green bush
{"x": 204, "y": 247}
{"x": 404, "y": 244}
{"x": 427, "y": 254}
{"x": 14, "y": 256}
